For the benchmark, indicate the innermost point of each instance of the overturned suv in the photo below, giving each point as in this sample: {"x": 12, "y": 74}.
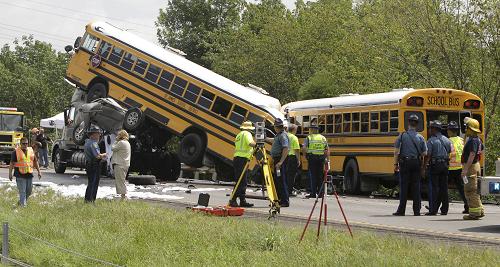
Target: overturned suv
{"x": 107, "y": 114}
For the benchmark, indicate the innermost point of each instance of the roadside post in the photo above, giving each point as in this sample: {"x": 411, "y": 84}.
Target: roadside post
{"x": 5, "y": 243}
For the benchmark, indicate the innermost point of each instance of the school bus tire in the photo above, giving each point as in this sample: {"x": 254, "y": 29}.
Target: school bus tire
{"x": 192, "y": 149}
{"x": 352, "y": 177}
{"x": 133, "y": 119}
{"x": 97, "y": 90}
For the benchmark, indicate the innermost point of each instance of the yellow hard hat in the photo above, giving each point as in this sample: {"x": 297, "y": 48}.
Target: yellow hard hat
{"x": 247, "y": 125}
{"x": 473, "y": 124}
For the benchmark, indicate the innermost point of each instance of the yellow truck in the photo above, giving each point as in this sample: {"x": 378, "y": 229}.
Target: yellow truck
{"x": 11, "y": 131}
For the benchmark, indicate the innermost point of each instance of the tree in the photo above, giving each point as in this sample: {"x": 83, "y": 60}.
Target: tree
{"x": 189, "y": 24}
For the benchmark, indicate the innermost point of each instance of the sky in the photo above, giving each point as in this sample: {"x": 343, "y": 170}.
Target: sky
{"x": 59, "y": 22}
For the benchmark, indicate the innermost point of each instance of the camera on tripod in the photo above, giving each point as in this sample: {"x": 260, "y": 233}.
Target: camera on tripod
{"x": 260, "y": 133}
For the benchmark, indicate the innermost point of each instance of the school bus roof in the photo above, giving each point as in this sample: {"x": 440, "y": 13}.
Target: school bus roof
{"x": 188, "y": 67}
{"x": 388, "y": 98}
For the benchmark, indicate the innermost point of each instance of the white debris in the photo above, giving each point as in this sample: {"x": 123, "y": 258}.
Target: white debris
{"x": 75, "y": 176}
{"x": 179, "y": 188}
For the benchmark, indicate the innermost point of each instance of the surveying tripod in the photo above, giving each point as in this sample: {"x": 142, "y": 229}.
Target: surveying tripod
{"x": 263, "y": 163}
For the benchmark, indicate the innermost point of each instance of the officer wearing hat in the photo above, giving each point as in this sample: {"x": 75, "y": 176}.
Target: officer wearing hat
{"x": 93, "y": 157}
{"x": 437, "y": 160}
{"x": 455, "y": 168}
{"x": 279, "y": 153}
{"x": 243, "y": 144}
{"x": 410, "y": 148}
{"x": 471, "y": 169}
{"x": 317, "y": 151}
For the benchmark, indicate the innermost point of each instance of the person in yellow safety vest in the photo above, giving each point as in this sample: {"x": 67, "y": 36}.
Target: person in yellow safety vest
{"x": 471, "y": 169}
{"x": 317, "y": 151}
{"x": 455, "y": 168}
{"x": 22, "y": 161}
{"x": 244, "y": 144}
{"x": 293, "y": 159}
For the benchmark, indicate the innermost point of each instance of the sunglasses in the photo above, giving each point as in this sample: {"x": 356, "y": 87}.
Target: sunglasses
{"x": 24, "y": 143}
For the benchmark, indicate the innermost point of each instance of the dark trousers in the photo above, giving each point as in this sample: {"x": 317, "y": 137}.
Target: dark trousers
{"x": 93, "y": 182}
{"x": 438, "y": 188}
{"x": 291, "y": 171}
{"x": 409, "y": 175}
{"x": 456, "y": 177}
{"x": 316, "y": 172}
{"x": 280, "y": 182}
{"x": 238, "y": 165}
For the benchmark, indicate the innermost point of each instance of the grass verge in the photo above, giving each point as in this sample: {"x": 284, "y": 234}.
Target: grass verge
{"x": 139, "y": 234}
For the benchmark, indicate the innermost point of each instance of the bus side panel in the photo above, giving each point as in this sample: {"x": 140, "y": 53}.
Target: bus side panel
{"x": 78, "y": 69}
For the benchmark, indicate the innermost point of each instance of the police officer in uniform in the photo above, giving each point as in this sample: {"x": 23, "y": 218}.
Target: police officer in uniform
{"x": 410, "y": 148}
{"x": 243, "y": 144}
{"x": 93, "y": 157}
{"x": 455, "y": 168}
{"x": 279, "y": 153}
{"x": 317, "y": 151}
{"x": 438, "y": 156}
{"x": 471, "y": 169}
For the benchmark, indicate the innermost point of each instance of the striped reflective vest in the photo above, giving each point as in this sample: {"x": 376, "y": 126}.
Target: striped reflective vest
{"x": 456, "y": 153}
{"x": 316, "y": 144}
{"x": 242, "y": 146}
{"x": 25, "y": 161}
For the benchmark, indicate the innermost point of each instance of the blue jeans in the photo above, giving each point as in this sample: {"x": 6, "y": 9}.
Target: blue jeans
{"x": 24, "y": 185}
{"x": 43, "y": 157}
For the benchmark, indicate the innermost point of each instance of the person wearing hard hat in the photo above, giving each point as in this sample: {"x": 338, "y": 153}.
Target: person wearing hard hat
{"x": 438, "y": 156}
{"x": 410, "y": 148}
{"x": 471, "y": 169}
{"x": 93, "y": 156}
{"x": 455, "y": 168}
{"x": 317, "y": 152}
{"x": 23, "y": 161}
{"x": 243, "y": 144}
{"x": 279, "y": 153}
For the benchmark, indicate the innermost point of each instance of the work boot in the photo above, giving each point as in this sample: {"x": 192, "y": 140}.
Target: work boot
{"x": 245, "y": 204}
{"x": 482, "y": 214}
{"x": 471, "y": 217}
{"x": 233, "y": 203}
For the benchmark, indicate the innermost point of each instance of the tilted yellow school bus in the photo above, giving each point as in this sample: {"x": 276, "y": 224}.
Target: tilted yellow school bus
{"x": 361, "y": 129}
{"x": 176, "y": 97}
{"x": 11, "y": 131}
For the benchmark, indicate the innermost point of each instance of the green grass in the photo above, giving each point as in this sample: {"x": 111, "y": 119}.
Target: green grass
{"x": 138, "y": 234}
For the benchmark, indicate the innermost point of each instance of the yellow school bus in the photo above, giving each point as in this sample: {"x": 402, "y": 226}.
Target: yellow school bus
{"x": 176, "y": 97}
{"x": 361, "y": 129}
{"x": 11, "y": 131}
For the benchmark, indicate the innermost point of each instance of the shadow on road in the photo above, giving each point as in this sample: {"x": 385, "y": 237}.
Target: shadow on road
{"x": 495, "y": 229}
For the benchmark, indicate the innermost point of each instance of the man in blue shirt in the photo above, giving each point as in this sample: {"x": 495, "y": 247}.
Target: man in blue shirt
{"x": 409, "y": 150}
{"x": 279, "y": 153}
{"x": 93, "y": 157}
{"x": 437, "y": 160}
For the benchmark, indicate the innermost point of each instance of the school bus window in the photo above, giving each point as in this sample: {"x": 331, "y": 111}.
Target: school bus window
{"x": 329, "y": 123}
{"x": 221, "y": 107}
{"x": 166, "y": 79}
{"x": 394, "y": 121}
{"x": 374, "y": 121}
{"x": 192, "y": 93}
{"x": 479, "y": 119}
{"x": 384, "y": 121}
{"x": 153, "y": 73}
{"x": 322, "y": 123}
{"x": 140, "y": 66}
{"x": 128, "y": 61}
{"x": 238, "y": 114}
{"x": 338, "y": 123}
{"x": 254, "y": 117}
{"x": 365, "y": 122}
{"x": 206, "y": 99}
{"x": 104, "y": 49}
{"x": 420, "y": 115}
{"x": 90, "y": 43}
{"x": 179, "y": 85}
{"x": 347, "y": 122}
{"x": 116, "y": 55}
{"x": 355, "y": 122}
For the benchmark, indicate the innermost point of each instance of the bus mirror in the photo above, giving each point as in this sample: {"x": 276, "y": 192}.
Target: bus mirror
{"x": 77, "y": 42}
{"x": 68, "y": 48}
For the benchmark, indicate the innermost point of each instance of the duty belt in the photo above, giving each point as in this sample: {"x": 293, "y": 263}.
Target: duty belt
{"x": 439, "y": 160}
{"x": 405, "y": 158}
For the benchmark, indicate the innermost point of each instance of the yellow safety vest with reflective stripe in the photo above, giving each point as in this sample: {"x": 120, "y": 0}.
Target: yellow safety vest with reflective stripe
{"x": 316, "y": 144}
{"x": 242, "y": 146}
{"x": 456, "y": 153}
{"x": 25, "y": 161}
{"x": 293, "y": 143}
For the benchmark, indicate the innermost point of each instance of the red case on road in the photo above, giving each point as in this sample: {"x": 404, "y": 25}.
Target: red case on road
{"x": 220, "y": 211}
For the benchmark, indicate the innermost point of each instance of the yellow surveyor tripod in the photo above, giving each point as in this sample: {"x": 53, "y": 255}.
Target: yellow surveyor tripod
{"x": 263, "y": 162}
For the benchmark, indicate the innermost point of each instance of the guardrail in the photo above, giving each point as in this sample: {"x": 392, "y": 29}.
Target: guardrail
{"x": 6, "y": 228}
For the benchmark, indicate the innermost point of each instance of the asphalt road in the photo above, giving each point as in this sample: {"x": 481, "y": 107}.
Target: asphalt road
{"x": 360, "y": 211}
